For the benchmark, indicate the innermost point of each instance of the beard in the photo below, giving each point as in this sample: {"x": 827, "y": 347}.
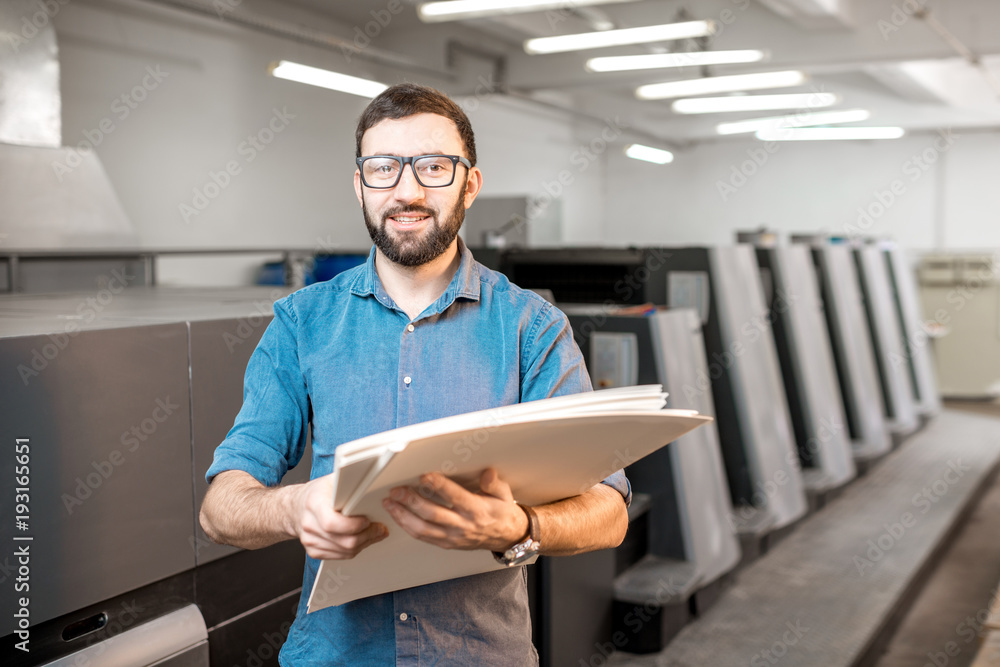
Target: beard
{"x": 412, "y": 249}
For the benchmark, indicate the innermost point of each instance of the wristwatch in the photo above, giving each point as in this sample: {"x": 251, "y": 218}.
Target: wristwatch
{"x": 526, "y": 548}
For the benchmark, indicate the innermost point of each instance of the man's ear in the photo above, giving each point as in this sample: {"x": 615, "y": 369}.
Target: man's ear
{"x": 357, "y": 187}
{"x": 473, "y": 185}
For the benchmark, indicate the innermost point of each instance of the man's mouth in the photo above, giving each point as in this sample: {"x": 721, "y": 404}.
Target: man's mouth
{"x": 408, "y": 219}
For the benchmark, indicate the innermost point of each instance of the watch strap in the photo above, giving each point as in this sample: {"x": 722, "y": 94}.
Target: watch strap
{"x": 533, "y": 529}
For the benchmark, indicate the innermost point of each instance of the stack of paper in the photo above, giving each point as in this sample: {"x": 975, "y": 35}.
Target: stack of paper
{"x": 546, "y": 450}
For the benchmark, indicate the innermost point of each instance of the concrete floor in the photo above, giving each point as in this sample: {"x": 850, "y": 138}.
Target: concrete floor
{"x": 942, "y": 627}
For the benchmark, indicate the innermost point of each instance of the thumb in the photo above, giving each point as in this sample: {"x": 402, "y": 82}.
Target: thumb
{"x": 492, "y": 485}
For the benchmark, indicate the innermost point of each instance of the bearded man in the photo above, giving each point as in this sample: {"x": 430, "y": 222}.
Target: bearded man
{"x": 420, "y": 331}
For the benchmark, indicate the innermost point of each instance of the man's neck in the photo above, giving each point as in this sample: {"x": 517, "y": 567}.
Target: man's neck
{"x": 413, "y": 288}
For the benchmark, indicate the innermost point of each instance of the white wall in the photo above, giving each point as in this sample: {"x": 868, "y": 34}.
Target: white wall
{"x": 945, "y": 192}
{"x": 297, "y": 191}
{"x": 214, "y": 93}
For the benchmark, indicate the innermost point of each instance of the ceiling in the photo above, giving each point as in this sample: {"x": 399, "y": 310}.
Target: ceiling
{"x": 875, "y": 54}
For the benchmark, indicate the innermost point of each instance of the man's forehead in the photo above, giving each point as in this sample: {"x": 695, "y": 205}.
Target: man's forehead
{"x": 417, "y": 134}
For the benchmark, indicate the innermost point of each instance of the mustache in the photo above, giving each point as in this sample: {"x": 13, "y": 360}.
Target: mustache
{"x": 396, "y": 210}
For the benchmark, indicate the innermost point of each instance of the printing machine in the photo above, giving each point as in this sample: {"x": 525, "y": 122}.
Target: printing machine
{"x": 123, "y": 398}
{"x": 887, "y": 341}
{"x": 807, "y": 366}
{"x": 916, "y": 342}
{"x": 853, "y": 355}
{"x": 691, "y": 543}
{"x": 723, "y": 286}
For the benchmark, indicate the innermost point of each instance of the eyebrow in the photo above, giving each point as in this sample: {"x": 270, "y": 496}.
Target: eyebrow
{"x": 434, "y": 152}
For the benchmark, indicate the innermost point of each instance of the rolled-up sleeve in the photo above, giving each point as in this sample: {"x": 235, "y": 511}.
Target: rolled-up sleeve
{"x": 553, "y": 366}
{"x": 269, "y": 433}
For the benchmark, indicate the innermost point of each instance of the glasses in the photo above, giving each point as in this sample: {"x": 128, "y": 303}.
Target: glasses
{"x": 382, "y": 172}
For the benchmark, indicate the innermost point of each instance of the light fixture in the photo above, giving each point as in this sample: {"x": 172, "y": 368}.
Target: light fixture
{"x": 754, "y": 103}
{"x": 830, "y": 133}
{"x": 324, "y": 78}
{"x": 661, "y": 60}
{"x": 803, "y": 119}
{"x": 454, "y": 10}
{"x": 721, "y": 84}
{"x": 649, "y": 154}
{"x": 597, "y": 40}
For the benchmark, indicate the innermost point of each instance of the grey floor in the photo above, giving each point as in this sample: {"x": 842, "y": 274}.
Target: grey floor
{"x": 957, "y": 591}
{"x": 812, "y": 579}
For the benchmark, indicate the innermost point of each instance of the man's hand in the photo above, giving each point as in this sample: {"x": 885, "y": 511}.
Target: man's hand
{"x": 324, "y": 532}
{"x": 488, "y": 519}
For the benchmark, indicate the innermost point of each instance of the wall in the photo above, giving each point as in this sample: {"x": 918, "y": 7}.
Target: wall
{"x": 167, "y": 155}
{"x": 926, "y": 190}
{"x": 197, "y": 99}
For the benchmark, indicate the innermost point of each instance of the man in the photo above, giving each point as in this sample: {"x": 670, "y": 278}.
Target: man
{"x": 421, "y": 331}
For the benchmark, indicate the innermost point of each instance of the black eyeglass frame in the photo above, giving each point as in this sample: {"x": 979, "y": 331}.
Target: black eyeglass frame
{"x": 403, "y": 161}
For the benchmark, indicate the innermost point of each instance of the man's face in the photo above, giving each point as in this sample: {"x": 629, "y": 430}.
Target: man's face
{"x": 411, "y": 224}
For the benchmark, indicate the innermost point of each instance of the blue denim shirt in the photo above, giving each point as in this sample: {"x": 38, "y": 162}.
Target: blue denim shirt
{"x": 342, "y": 356}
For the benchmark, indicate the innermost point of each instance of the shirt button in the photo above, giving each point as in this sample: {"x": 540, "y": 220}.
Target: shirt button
{"x": 403, "y": 616}
{"x": 407, "y": 380}
{"x": 409, "y": 327}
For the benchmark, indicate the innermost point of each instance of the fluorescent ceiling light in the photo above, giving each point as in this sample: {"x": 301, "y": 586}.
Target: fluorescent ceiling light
{"x": 454, "y": 10}
{"x": 324, "y": 78}
{"x": 660, "y": 60}
{"x": 754, "y": 103}
{"x": 596, "y": 40}
{"x": 830, "y": 133}
{"x": 805, "y": 119}
{"x": 721, "y": 84}
{"x": 649, "y": 154}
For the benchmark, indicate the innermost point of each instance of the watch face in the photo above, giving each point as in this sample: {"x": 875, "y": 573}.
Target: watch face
{"x": 521, "y": 552}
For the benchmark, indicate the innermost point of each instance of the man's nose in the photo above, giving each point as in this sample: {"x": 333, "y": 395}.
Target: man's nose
{"x": 408, "y": 188}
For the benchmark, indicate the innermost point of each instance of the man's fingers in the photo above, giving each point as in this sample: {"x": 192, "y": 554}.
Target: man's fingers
{"x": 425, "y": 509}
{"x": 491, "y": 484}
{"x": 327, "y": 547}
{"x": 450, "y": 492}
{"x": 414, "y": 525}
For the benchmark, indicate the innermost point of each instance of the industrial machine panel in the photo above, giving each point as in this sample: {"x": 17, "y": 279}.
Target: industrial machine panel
{"x": 220, "y": 350}
{"x": 852, "y": 351}
{"x": 746, "y": 351}
{"x": 917, "y": 344}
{"x": 106, "y": 415}
{"x": 803, "y": 344}
{"x": 887, "y": 340}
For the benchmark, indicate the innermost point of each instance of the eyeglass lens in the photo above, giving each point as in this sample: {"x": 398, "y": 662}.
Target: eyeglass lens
{"x": 432, "y": 171}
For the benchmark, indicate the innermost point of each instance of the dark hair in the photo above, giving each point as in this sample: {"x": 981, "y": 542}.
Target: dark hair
{"x": 408, "y": 99}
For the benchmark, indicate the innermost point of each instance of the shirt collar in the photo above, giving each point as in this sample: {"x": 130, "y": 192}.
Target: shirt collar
{"x": 464, "y": 284}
